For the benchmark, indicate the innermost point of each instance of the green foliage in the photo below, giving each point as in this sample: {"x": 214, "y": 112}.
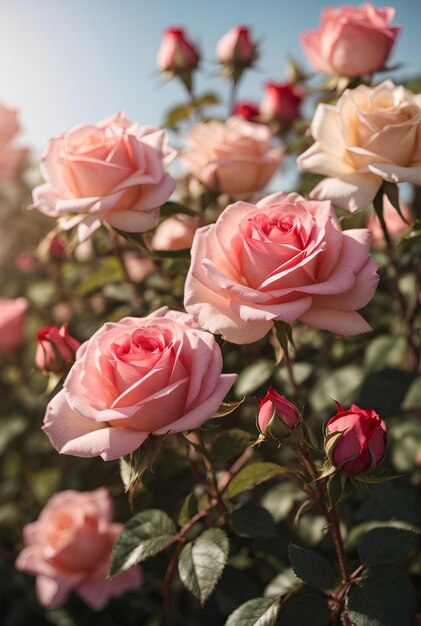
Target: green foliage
{"x": 256, "y": 612}
{"x": 253, "y": 521}
{"x": 253, "y": 376}
{"x": 229, "y": 444}
{"x": 305, "y": 608}
{"x": 311, "y": 568}
{"x": 252, "y": 475}
{"x": 385, "y": 545}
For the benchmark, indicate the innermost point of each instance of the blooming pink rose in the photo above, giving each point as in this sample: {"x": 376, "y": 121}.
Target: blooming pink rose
{"x": 140, "y": 376}
{"x": 285, "y": 259}
{"x": 277, "y": 416}
{"x": 55, "y": 348}
{"x": 362, "y": 445}
{"x": 11, "y": 158}
{"x": 110, "y": 172}
{"x": 69, "y": 547}
{"x": 236, "y": 48}
{"x": 351, "y": 41}
{"x": 248, "y": 110}
{"x": 281, "y": 101}
{"x": 177, "y": 54}
{"x": 12, "y": 320}
{"x": 233, "y": 157}
{"x": 395, "y": 224}
{"x": 372, "y": 134}
{"x": 175, "y": 233}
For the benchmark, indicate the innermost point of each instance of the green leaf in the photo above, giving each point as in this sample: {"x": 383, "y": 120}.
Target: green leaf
{"x": 413, "y": 395}
{"x": 228, "y": 444}
{"x": 256, "y": 612}
{"x": 385, "y": 545}
{"x": 225, "y": 408}
{"x": 252, "y": 377}
{"x": 109, "y": 270}
{"x": 252, "y": 520}
{"x": 143, "y": 536}
{"x": 251, "y": 475}
{"x": 311, "y": 568}
{"x": 188, "y": 509}
{"x": 342, "y": 384}
{"x": 384, "y": 391}
{"x": 206, "y": 98}
{"x": 383, "y": 597}
{"x": 281, "y": 498}
{"x": 384, "y": 351}
{"x": 306, "y": 608}
{"x": 282, "y": 583}
{"x": 202, "y": 562}
{"x": 11, "y": 427}
{"x": 357, "y": 532}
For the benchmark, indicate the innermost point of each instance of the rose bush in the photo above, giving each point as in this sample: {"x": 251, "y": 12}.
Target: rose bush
{"x": 140, "y": 376}
{"x": 282, "y": 259}
{"x": 362, "y": 445}
{"x": 372, "y": 134}
{"x": 12, "y": 321}
{"x": 233, "y": 157}
{"x": 110, "y": 172}
{"x": 351, "y": 41}
{"x": 68, "y": 548}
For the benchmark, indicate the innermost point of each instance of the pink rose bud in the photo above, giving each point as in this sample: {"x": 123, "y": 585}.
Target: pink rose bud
{"x": 277, "y": 416}
{"x": 235, "y": 48}
{"x": 247, "y": 110}
{"x": 12, "y": 323}
{"x": 351, "y": 41}
{"x": 281, "y": 102}
{"x": 361, "y": 445}
{"x": 177, "y": 54}
{"x": 55, "y": 348}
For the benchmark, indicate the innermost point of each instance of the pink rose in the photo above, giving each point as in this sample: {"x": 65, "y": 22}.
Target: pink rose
{"x": 281, "y": 102}
{"x": 233, "y": 157}
{"x": 277, "y": 416}
{"x": 236, "y": 48}
{"x": 11, "y": 158}
{"x": 176, "y": 233}
{"x": 69, "y": 547}
{"x": 12, "y": 321}
{"x": 247, "y": 110}
{"x": 141, "y": 376}
{"x": 177, "y": 54}
{"x": 351, "y": 41}
{"x": 110, "y": 172}
{"x": 395, "y": 224}
{"x": 362, "y": 445}
{"x": 285, "y": 259}
{"x": 372, "y": 134}
{"x": 55, "y": 348}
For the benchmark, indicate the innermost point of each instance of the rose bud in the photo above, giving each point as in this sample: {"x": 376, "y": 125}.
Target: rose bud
{"x": 355, "y": 440}
{"x": 247, "y": 110}
{"x": 55, "y": 348}
{"x": 177, "y": 55}
{"x": 281, "y": 102}
{"x": 235, "y": 52}
{"x": 277, "y": 416}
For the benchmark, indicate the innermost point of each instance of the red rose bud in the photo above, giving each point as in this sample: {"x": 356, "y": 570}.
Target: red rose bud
{"x": 236, "y": 48}
{"x": 277, "y": 416}
{"x": 361, "y": 446}
{"x": 55, "y": 348}
{"x": 177, "y": 55}
{"x": 247, "y": 110}
{"x": 281, "y": 102}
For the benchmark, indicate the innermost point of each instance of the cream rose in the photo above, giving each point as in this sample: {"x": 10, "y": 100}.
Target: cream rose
{"x": 234, "y": 157}
{"x": 109, "y": 172}
{"x": 370, "y": 135}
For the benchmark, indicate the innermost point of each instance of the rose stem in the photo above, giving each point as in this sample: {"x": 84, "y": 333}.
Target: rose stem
{"x": 331, "y": 515}
{"x": 232, "y": 96}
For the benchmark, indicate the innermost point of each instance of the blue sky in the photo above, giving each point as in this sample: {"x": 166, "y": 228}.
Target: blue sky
{"x": 68, "y": 62}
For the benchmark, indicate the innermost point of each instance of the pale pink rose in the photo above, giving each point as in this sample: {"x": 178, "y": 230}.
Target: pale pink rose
{"x": 140, "y": 376}
{"x": 69, "y": 547}
{"x": 177, "y": 53}
{"x": 395, "y": 224}
{"x": 176, "y": 233}
{"x": 11, "y": 158}
{"x": 12, "y": 322}
{"x": 351, "y": 41}
{"x": 372, "y": 134}
{"x": 285, "y": 259}
{"x": 236, "y": 48}
{"x": 110, "y": 172}
{"x": 233, "y": 157}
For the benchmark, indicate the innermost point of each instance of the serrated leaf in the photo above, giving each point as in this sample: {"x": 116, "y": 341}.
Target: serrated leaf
{"x": 252, "y": 377}
{"x": 357, "y": 532}
{"x": 188, "y": 509}
{"x": 306, "y": 609}
{"x": 385, "y": 545}
{"x": 202, "y": 562}
{"x": 256, "y": 612}
{"x": 282, "y": 583}
{"x": 311, "y": 568}
{"x": 143, "y": 536}
{"x": 251, "y": 475}
{"x": 252, "y": 520}
{"x": 228, "y": 444}
{"x": 383, "y": 597}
